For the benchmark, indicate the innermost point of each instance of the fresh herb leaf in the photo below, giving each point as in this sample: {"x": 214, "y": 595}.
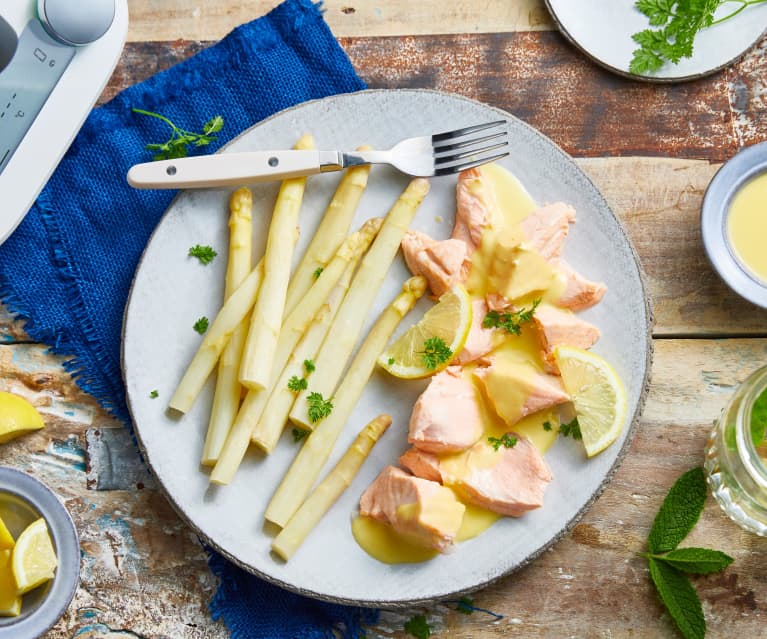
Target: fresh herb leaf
{"x": 511, "y": 322}
{"x": 696, "y": 561}
{"x": 759, "y": 419}
{"x": 676, "y": 24}
{"x": 390, "y": 361}
{"x": 201, "y": 325}
{"x": 571, "y": 429}
{"x": 297, "y": 384}
{"x": 319, "y": 407}
{"x": 465, "y": 605}
{"x": 177, "y": 146}
{"x": 418, "y": 627}
{"x": 506, "y": 440}
{"x": 435, "y": 352}
{"x": 679, "y": 512}
{"x": 547, "y": 426}
{"x": 679, "y": 597}
{"x": 154, "y": 394}
{"x": 309, "y": 366}
{"x": 317, "y": 272}
{"x": 205, "y": 254}
{"x": 298, "y": 434}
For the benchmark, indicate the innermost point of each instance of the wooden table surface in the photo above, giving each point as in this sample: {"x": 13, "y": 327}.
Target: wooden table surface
{"x": 651, "y": 150}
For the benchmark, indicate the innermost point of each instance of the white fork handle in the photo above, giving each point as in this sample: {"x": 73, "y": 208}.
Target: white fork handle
{"x": 231, "y": 169}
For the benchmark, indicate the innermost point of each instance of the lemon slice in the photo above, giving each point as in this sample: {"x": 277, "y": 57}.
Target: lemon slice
{"x": 10, "y": 602}
{"x": 449, "y": 320}
{"x": 17, "y": 416}
{"x": 6, "y": 539}
{"x": 597, "y": 394}
{"x": 34, "y": 559}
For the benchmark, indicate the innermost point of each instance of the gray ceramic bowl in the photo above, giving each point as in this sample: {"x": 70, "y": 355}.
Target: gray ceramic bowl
{"x": 23, "y": 499}
{"x": 749, "y": 163}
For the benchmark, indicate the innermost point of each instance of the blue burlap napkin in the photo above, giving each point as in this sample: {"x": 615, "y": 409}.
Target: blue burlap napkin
{"x": 67, "y": 269}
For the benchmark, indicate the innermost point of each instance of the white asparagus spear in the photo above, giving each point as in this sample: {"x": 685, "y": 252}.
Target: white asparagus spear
{"x": 329, "y": 489}
{"x": 339, "y": 344}
{"x": 226, "y": 399}
{"x": 306, "y": 467}
{"x": 330, "y": 233}
{"x": 266, "y": 320}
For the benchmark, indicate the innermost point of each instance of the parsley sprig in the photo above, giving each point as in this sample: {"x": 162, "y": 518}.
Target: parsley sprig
{"x": 511, "y": 322}
{"x": 297, "y": 384}
{"x": 435, "y": 352}
{"x": 201, "y": 325}
{"x": 298, "y": 434}
{"x": 669, "y": 565}
{"x": 177, "y": 146}
{"x": 507, "y": 440}
{"x": 568, "y": 429}
{"x": 205, "y": 254}
{"x": 676, "y": 23}
{"x": 319, "y": 407}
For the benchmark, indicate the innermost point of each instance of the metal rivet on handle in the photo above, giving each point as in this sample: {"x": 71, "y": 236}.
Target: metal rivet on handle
{"x": 273, "y": 161}
{"x": 171, "y": 170}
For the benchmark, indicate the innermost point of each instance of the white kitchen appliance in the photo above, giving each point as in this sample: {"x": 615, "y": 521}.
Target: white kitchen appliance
{"x": 56, "y": 56}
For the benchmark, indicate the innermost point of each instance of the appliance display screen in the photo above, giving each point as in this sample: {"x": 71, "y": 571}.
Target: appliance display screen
{"x": 26, "y": 83}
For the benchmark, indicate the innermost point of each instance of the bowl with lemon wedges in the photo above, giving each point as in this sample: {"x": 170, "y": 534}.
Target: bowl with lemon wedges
{"x": 39, "y": 547}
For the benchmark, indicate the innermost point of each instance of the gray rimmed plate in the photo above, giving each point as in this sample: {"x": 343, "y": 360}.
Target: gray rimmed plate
{"x": 171, "y": 291}
{"x": 22, "y": 500}
{"x": 602, "y": 30}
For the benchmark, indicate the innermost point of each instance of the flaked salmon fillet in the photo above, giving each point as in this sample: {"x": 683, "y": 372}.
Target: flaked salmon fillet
{"x": 440, "y": 262}
{"x": 446, "y": 416}
{"x": 546, "y": 228}
{"x": 480, "y": 339}
{"x": 476, "y": 207}
{"x": 512, "y": 485}
{"x": 557, "y": 327}
{"x": 421, "y": 464}
{"x": 421, "y": 510}
{"x": 579, "y": 293}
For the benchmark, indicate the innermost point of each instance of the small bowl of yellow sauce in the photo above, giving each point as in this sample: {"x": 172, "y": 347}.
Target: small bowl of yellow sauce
{"x": 734, "y": 223}
{"x": 24, "y": 500}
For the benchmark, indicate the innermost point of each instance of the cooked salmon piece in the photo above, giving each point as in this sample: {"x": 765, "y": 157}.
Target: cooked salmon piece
{"x": 480, "y": 339}
{"x": 443, "y": 263}
{"x": 476, "y": 207}
{"x": 509, "y": 481}
{"x": 579, "y": 292}
{"x": 546, "y": 228}
{"x": 423, "y": 511}
{"x": 421, "y": 464}
{"x": 558, "y": 326}
{"x": 517, "y": 389}
{"x": 446, "y": 416}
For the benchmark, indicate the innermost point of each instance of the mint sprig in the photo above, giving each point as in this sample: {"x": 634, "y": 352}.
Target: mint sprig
{"x": 669, "y": 565}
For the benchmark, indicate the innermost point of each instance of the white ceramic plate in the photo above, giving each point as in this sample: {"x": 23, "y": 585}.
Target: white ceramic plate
{"x": 603, "y": 29}
{"x": 171, "y": 291}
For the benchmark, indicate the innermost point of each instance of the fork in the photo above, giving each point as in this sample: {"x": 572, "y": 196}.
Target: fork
{"x": 424, "y": 156}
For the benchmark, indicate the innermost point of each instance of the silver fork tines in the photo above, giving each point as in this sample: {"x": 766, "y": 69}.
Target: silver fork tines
{"x": 474, "y": 150}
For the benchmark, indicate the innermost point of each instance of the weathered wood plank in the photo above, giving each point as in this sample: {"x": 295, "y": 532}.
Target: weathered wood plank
{"x": 594, "y": 573}
{"x": 193, "y": 20}
{"x": 748, "y": 95}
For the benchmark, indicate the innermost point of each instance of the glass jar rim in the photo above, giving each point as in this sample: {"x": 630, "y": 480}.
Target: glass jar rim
{"x": 757, "y": 384}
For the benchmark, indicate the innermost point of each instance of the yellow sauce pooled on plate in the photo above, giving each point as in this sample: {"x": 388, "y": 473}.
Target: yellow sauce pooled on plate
{"x": 501, "y": 253}
{"x": 747, "y": 226}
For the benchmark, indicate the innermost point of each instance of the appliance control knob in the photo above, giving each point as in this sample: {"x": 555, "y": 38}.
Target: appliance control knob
{"x": 76, "y": 22}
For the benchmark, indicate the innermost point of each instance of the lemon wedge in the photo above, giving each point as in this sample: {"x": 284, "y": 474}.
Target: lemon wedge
{"x": 449, "y": 320}
{"x": 34, "y": 559}
{"x": 597, "y": 394}
{"x": 17, "y": 417}
{"x": 6, "y": 539}
{"x": 10, "y": 601}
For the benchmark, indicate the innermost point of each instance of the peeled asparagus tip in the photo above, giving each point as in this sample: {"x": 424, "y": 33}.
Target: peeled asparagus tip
{"x": 416, "y": 285}
{"x": 305, "y": 143}
{"x": 241, "y": 202}
{"x": 358, "y": 242}
{"x": 418, "y": 187}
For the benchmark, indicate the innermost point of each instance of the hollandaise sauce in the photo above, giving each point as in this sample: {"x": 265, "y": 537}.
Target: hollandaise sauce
{"x": 747, "y": 226}
{"x": 505, "y": 265}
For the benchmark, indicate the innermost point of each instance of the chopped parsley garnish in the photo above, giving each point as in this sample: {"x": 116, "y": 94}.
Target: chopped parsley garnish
{"x": 435, "y": 352}
{"x": 511, "y": 322}
{"x": 180, "y": 140}
{"x": 297, "y": 384}
{"x": 571, "y": 429}
{"x": 506, "y": 440}
{"x": 154, "y": 394}
{"x": 418, "y": 627}
{"x": 309, "y": 365}
{"x": 547, "y": 425}
{"x": 299, "y": 434}
{"x": 205, "y": 254}
{"x": 201, "y": 325}
{"x": 390, "y": 361}
{"x": 317, "y": 272}
{"x": 319, "y": 407}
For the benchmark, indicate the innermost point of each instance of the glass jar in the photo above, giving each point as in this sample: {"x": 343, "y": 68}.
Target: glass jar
{"x": 736, "y": 468}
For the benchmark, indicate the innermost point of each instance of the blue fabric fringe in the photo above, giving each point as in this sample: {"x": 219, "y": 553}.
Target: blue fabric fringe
{"x": 68, "y": 267}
